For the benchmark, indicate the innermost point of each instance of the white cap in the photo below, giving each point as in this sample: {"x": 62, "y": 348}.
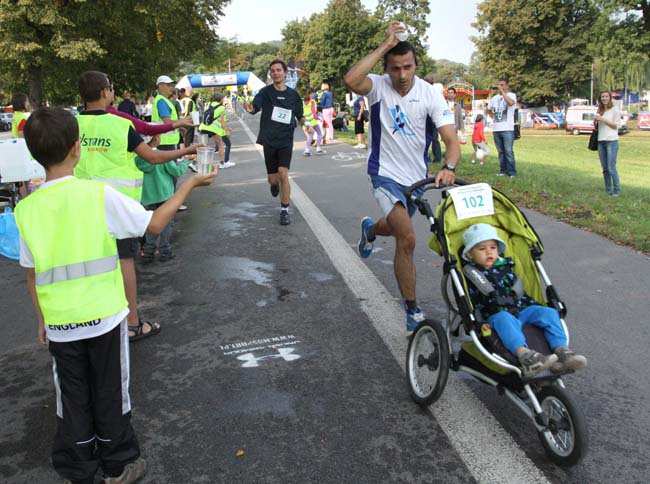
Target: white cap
{"x": 165, "y": 80}
{"x": 478, "y": 233}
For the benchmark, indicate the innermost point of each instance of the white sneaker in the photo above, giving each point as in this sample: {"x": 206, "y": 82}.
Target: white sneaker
{"x": 192, "y": 166}
{"x": 360, "y": 146}
{"x": 229, "y": 164}
{"x": 306, "y": 153}
{"x": 222, "y": 166}
{"x": 320, "y": 151}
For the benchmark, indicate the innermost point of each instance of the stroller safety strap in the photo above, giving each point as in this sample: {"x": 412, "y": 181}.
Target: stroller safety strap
{"x": 486, "y": 288}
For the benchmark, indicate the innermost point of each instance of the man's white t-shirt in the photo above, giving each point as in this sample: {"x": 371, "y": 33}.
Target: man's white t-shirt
{"x": 503, "y": 115}
{"x": 125, "y": 218}
{"x": 400, "y": 128}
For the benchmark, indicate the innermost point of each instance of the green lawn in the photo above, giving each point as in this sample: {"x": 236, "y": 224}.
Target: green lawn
{"x": 559, "y": 176}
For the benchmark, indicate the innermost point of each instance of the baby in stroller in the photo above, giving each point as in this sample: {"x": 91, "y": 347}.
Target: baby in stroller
{"x": 498, "y": 294}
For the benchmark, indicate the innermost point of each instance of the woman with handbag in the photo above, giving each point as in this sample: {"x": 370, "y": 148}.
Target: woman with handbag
{"x": 607, "y": 119}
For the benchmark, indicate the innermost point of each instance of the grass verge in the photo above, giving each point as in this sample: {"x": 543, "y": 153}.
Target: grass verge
{"x": 560, "y": 177}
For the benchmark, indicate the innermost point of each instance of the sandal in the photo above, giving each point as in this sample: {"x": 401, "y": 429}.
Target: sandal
{"x": 139, "y": 330}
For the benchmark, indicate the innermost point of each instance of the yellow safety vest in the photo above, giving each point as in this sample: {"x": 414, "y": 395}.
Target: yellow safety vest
{"x": 78, "y": 276}
{"x": 171, "y": 138}
{"x": 105, "y": 156}
{"x": 306, "y": 111}
{"x": 18, "y": 117}
{"x": 215, "y": 127}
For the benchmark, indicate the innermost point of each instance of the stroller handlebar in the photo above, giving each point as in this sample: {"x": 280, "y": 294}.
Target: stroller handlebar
{"x": 431, "y": 181}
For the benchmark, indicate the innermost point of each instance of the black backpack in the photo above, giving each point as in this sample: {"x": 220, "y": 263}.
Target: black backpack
{"x": 208, "y": 115}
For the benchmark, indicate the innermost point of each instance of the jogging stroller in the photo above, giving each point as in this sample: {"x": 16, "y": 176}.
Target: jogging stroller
{"x": 435, "y": 348}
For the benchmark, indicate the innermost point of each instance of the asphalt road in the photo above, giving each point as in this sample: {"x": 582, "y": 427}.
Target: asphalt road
{"x": 272, "y": 368}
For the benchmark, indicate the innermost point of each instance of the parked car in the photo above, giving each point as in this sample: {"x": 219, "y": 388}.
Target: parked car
{"x": 5, "y": 121}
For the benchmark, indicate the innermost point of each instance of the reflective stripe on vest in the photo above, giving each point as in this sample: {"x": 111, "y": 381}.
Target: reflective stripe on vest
{"x": 76, "y": 265}
{"x": 171, "y": 138}
{"x": 77, "y": 270}
{"x": 307, "y": 113}
{"x": 18, "y": 117}
{"x": 105, "y": 156}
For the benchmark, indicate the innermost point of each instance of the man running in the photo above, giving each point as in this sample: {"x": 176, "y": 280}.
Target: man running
{"x": 402, "y": 109}
{"x": 280, "y": 106}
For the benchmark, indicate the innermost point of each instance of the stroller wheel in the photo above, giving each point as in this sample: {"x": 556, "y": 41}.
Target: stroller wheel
{"x": 565, "y": 442}
{"x": 427, "y": 362}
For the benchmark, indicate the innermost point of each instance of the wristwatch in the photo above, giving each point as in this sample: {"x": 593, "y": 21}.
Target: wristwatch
{"x": 450, "y": 166}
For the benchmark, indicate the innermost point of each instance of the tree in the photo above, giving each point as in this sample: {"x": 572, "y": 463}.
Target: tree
{"x": 543, "y": 46}
{"x": 48, "y": 43}
{"x": 414, "y": 14}
{"x": 333, "y": 41}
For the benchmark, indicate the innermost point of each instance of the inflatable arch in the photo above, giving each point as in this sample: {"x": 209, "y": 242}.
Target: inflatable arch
{"x": 194, "y": 81}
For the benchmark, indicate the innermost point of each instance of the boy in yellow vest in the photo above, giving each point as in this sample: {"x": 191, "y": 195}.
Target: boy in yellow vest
{"x": 68, "y": 229}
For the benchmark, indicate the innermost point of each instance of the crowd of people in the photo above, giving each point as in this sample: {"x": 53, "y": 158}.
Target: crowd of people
{"x": 106, "y": 182}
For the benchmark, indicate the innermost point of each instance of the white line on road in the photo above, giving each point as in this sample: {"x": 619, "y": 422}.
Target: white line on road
{"x": 488, "y": 451}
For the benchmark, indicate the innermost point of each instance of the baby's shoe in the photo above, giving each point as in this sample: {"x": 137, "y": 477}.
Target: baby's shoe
{"x": 533, "y": 362}
{"x": 568, "y": 360}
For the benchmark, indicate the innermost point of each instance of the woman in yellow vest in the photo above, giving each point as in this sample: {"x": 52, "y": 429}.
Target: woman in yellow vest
{"x": 311, "y": 123}
{"x": 214, "y": 125}
{"x": 20, "y": 103}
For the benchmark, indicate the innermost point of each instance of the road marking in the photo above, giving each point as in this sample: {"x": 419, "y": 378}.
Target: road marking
{"x": 488, "y": 451}
{"x": 252, "y": 361}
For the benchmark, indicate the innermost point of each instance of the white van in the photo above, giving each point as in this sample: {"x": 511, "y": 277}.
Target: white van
{"x": 580, "y": 119}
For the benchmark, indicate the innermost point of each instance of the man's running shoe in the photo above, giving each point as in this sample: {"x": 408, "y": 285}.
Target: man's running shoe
{"x": 414, "y": 317}
{"x": 275, "y": 189}
{"x": 182, "y": 208}
{"x": 192, "y": 166}
{"x": 222, "y": 165}
{"x": 229, "y": 164}
{"x": 533, "y": 362}
{"x": 320, "y": 151}
{"x": 284, "y": 217}
{"x": 306, "y": 153}
{"x": 365, "y": 242}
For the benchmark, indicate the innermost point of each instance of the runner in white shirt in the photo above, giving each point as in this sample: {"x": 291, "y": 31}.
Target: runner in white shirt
{"x": 402, "y": 111}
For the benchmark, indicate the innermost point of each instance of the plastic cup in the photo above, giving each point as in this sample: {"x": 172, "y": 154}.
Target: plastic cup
{"x": 203, "y": 139}
{"x": 205, "y": 159}
{"x": 195, "y": 117}
{"x": 402, "y": 36}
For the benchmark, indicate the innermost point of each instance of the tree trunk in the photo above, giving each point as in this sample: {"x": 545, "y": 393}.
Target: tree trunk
{"x": 35, "y": 77}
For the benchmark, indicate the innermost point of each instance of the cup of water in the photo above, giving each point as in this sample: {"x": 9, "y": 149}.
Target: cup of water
{"x": 195, "y": 117}
{"x": 203, "y": 139}
{"x": 205, "y": 159}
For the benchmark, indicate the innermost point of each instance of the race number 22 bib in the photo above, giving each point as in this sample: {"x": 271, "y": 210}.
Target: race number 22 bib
{"x": 281, "y": 115}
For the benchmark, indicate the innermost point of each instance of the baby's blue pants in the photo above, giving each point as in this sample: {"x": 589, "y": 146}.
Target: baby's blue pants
{"x": 508, "y": 327}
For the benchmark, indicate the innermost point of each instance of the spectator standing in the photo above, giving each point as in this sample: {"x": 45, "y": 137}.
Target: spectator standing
{"x": 21, "y": 106}
{"x": 147, "y": 110}
{"x": 457, "y": 108}
{"x": 115, "y": 165}
{"x": 479, "y": 141}
{"x": 502, "y": 109}
{"x": 215, "y": 127}
{"x": 360, "y": 114}
{"x": 607, "y": 119}
{"x": 82, "y": 313}
{"x": 311, "y": 125}
{"x": 436, "y": 149}
{"x": 281, "y": 106}
{"x": 157, "y": 188}
{"x": 127, "y": 105}
{"x": 327, "y": 106}
{"x": 402, "y": 107}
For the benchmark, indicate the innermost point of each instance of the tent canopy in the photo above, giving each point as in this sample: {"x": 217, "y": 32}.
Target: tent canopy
{"x": 194, "y": 81}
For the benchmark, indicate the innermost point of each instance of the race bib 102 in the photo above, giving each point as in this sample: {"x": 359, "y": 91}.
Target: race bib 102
{"x": 472, "y": 200}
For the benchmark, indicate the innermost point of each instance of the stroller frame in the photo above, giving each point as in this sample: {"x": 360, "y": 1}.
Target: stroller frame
{"x": 558, "y": 420}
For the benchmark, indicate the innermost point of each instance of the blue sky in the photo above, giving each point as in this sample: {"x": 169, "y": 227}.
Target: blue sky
{"x": 262, "y": 21}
